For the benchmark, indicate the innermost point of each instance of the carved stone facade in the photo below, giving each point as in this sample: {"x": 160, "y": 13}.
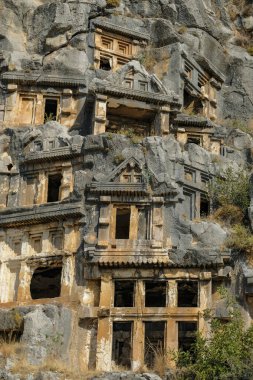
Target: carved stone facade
{"x": 106, "y": 213}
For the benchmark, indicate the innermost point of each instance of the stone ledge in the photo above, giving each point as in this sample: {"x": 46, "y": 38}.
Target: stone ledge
{"x": 40, "y": 213}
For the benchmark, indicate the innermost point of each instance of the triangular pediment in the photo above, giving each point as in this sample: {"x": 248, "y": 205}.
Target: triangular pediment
{"x": 129, "y": 171}
{"x": 128, "y": 177}
{"x": 134, "y": 76}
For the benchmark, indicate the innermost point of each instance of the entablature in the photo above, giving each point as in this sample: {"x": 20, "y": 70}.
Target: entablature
{"x": 11, "y": 217}
{"x": 118, "y": 29}
{"x": 40, "y": 79}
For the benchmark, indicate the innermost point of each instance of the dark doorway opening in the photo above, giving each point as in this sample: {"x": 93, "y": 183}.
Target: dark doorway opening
{"x": 187, "y": 292}
{"x": 194, "y": 140}
{"x": 122, "y": 223}
{"x": 51, "y": 106}
{"x": 46, "y": 283}
{"x": 54, "y": 183}
{"x": 105, "y": 64}
{"x": 204, "y": 205}
{"x": 192, "y": 104}
{"x": 187, "y": 336}
{"x": 11, "y": 336}
{"x": 124, "y": 294}
{"x": 155, "y": 294}
{"x": 154, "y": 341}
{"x": 122, "y": 343}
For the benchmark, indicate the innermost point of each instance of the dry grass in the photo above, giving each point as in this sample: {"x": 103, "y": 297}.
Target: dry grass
{"x": 113, "y": 3}
{"x": 160, "y": 362}
{"x": 23, "y": 368}
{"x": 8, "y": 349}
{"x": 228, "y": 214}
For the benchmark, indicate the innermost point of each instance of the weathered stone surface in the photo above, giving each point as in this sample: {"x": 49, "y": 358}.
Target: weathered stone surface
{"x": 47, "y": 331}
{"x": 103, "y": 72}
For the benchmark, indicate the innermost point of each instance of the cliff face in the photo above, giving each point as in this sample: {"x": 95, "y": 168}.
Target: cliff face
{"x": 120, "y": 123}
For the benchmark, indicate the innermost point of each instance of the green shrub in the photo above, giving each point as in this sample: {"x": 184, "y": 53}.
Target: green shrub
{"x": 226, "y": 353}
{"x": 232, "y": 189}
{"x": 250, "y": 50}
{"x": 240, "y": 239}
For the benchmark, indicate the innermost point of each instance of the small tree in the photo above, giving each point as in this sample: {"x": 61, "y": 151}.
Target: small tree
{"x": 226, "y": 354}
{"x": 231, "y": 189}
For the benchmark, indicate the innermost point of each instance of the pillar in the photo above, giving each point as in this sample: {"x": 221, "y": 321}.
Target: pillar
{"x": 138, "y": 344}
{"x": 157, "y": 224}
{"x": 67, "y": 181}
{"x": 164, "y": 120}
{"x": 107, "y": 220}
{"x": 205, "y": 299}
{"x": 104, "y": 333}
{"x": 171, "y": 343}
{"x": 100, "y": 114}
{"x": 24, "y": 283}
{"x": 133, "y": 232}
{"x": 172, "y": 293}
{"x": 68, "y": 272}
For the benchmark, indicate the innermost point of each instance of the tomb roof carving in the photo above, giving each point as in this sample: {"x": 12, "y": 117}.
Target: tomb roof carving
{"x": 203, "y": 65}
{"x": 42, "y": 79}
{"x": 42, "y": 145}
{"x": 183, "y": 119}
{"x": 127, "y": 177}
{"x": 142, "y": 254}
{"x": 172, "y": 258}
{"x": 118, "y": 29}
{"x": 40, "y": 213}
{"x": 132, "y": 81}
{"x": 132, "y": 177}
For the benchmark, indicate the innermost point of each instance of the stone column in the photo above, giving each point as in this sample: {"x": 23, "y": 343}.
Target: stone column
{"x": 39, "y": 110}
{"x": 104, "y": 334}
{"x": 138, "y": 344}
{"x": 24, "y": 283}
{"x": 3, "y": 283}
{"x": 171, "y": 343}
{"x": 100, "y": 114}
{"x": 11, "y": 106}
{"x": 133, "y": 231}
{"x": 172, "y": 293}
{"x": 41, "y": 196}
{"x": 66, "y": 182}
{"x": 107, "y": 217}
{"x": 68, "y": 273}
{"x": 205, "y": 299}
{"x": 197, "y": 204}
{"x": 164, "y": 120}
{"x": 157, "y": 222}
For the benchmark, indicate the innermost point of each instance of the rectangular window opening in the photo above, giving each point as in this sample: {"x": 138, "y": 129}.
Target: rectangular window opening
{"x": 46, "y": 283}
{"x": 155, "y": 293}
{"x": 204, "y": 205}
{"x": 105, "y": 64}
{"x": 122, "y": 343}
{"x": 187, "y": 292}
{"x": 154, "y": 341}
{"x": 194, "y": 140}
{"x": 54, "y": 183}
{"x": 51, "y": 106}
{"x": 124, "y": 293}
{"x": 122, "y": 223}
{"x": 186, "y": 336}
